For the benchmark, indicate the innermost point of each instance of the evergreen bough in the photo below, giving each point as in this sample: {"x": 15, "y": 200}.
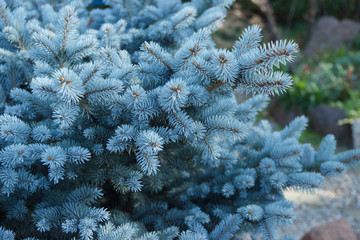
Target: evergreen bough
{"x": 121, "y": 123}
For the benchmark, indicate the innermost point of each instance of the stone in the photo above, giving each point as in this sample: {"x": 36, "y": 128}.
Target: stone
{"x": 338, "y": 230}
{"x": 324, "y": 120}
{"x": 356, "y": 133}
{"x": 331, "y": 33}
{"x": 281, "y": 116}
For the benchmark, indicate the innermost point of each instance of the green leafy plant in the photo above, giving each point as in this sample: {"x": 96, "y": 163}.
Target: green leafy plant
{"x": 351, "y": 107}
{"x": 330, "y": 78}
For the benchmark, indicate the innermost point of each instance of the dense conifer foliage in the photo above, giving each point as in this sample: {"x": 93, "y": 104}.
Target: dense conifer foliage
{"x": 121, "y": 123}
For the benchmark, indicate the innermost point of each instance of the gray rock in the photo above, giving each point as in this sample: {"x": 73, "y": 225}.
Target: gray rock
{"x": 330, "y": 33}
{"x": 324, "y": 119}
{"x": 280, "y": 115}
{"x": 338, "y": 230}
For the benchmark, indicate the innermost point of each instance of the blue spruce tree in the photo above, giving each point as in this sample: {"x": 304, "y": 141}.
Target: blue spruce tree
{"x": 121, "y": 123}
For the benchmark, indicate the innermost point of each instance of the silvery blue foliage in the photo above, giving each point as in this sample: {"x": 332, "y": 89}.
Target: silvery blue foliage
{"x": 121, "y": 123}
